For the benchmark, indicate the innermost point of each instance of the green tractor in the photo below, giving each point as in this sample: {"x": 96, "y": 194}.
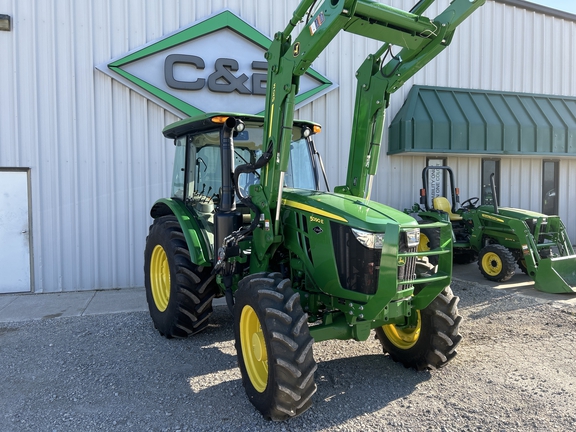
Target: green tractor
{"x": 247, "y": 220}
{"x": 498, "y": 237}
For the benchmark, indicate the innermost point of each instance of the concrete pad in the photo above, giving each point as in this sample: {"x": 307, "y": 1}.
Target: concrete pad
{"x": 5, "y": 300}
{"x": 43, "y": 306}
{"x": 116, "y": 301}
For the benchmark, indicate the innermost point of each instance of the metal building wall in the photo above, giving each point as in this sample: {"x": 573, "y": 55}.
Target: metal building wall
{"x": 97, "y": 157}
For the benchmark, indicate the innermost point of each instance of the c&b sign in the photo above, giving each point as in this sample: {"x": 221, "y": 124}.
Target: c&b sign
{"x": 216, "y": 64}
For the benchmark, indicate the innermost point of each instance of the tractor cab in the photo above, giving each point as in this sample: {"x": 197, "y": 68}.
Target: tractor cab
{"x": 205, "y": 161}
{"x": 197, "y": 175}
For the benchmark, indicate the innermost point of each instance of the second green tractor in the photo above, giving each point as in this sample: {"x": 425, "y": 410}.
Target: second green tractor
{"x": 500, "y": 238}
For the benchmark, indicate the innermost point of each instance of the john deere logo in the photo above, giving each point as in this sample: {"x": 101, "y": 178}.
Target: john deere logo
{"x": 214, "y": 64}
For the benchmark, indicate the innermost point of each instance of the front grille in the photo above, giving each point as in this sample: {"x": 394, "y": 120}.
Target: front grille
{"x": 406, "y": 265}
{"x": 358, "y": 266}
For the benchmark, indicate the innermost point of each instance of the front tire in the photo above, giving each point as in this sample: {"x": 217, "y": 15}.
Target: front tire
{"x": 496, "y": 263}
{"x": 432, "y": 342}
{"x": 274, "y": 346}
{"x": 179, "y": 293}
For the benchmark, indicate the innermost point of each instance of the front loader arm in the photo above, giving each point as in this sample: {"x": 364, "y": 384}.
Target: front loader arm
{"x": 378, "y": 80}
{"x": 420, "y": 38}
{"x": 287, "y": 62}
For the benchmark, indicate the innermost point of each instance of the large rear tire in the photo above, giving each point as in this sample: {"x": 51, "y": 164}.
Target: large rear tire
{"x": 496, "y": 263}
{"x": 274, "y": 346}
{"x": 432, "y": 342}
{"x": 179, "y": 293}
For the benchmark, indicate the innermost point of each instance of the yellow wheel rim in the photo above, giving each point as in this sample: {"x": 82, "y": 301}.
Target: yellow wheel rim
{"x": 424, "y": 245}
{"x": 254, "y": 348}
{"x": 404, "y": 338}
{"x": 160, "y": 278}
{"x": 492, "y": 264}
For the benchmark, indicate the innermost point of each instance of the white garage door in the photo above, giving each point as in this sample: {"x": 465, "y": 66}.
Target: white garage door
{"x": 14, "y": 232}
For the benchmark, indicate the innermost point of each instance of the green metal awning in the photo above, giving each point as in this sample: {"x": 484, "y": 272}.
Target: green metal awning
{"x": 454, "y": 120}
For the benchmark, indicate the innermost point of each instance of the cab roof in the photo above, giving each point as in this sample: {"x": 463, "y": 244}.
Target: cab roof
{"x": 204, "y": 122}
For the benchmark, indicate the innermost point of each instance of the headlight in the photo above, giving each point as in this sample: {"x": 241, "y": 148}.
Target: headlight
{"x": 413, "y": 237}
{"x": 369, "y": 239}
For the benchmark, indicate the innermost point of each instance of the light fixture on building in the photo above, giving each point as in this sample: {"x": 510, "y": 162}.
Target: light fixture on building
{"x": 5, "y": 22}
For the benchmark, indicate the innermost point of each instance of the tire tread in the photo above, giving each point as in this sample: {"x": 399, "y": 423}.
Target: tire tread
{"x": 291, "y": 363}
{"x": 192, "y": 290}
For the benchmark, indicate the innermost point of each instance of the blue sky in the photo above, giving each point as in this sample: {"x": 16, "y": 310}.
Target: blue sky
{"x": 564, "y": 5}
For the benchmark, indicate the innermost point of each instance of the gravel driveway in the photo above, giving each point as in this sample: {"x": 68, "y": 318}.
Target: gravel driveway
{"x": 515, "y": 370}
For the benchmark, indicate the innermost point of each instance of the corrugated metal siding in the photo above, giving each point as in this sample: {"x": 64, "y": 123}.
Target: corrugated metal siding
{"x": 97, "y": 157}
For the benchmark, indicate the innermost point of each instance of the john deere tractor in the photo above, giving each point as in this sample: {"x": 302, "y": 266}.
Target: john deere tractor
{"x": 498, "y": 237}
{"x": 247, "y": 219}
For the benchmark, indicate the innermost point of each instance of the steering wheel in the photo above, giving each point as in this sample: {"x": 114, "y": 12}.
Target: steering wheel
{"x": 470, "y": 202}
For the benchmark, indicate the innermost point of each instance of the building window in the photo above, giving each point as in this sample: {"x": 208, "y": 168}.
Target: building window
{"x": 550, "y": 187}
{"x": 489, "y": 167}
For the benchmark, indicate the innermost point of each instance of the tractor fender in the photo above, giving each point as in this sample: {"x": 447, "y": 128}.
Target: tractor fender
{"x": 199, "y": 253}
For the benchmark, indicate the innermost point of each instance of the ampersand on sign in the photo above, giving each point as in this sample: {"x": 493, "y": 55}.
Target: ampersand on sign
{"x": 223, "y": 67}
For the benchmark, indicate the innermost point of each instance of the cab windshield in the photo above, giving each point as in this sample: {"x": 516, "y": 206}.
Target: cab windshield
{"x": 202, "y": 175}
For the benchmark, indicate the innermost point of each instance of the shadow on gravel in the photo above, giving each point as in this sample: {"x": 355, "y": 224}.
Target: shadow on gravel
{"x": 357, "y": 386}
{"x": 349, "y": 385}
{"x": 353, "y": 378}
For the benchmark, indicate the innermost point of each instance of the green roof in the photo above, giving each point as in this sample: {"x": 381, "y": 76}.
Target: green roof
{"x": 454, "y": 120}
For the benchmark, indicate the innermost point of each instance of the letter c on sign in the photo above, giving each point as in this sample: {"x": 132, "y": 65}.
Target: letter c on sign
{"x": 169, "y": 63}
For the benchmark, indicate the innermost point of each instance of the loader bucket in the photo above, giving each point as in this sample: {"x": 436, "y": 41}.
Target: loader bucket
{"x": 556, "y": 275}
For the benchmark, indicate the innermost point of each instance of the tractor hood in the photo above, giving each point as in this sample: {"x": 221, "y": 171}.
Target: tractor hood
{"x": 353, "y": 211}
{"x": 514, "y": 213}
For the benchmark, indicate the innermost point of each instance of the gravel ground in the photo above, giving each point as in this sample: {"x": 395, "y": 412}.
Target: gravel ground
{"x": 515, "y": 370}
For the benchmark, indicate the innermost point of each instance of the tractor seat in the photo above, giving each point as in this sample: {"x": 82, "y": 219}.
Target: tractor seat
{"x": 441, "y": 203}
